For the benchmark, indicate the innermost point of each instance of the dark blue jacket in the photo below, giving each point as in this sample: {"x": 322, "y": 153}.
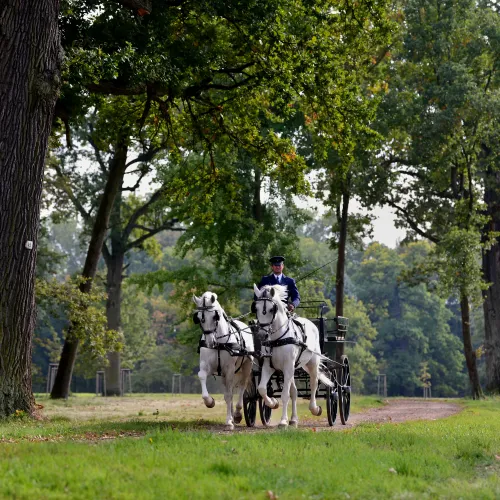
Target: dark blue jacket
{"x": 293, "y": 292}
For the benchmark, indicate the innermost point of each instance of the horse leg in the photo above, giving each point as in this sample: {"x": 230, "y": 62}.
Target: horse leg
{"x": 245, "y": 371}
{"x": 312, "y": 367}
{"x": 202, "y": 375}
{"x": 294, "y": 420}
{"x": 288, "y": 373}
{"x": 266, "y": 374}
{"x": 228, "y": 380}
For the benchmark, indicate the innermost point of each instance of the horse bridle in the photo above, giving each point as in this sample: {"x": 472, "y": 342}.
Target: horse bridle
{"x": 197, "y": 321}
{"x": 264, "y": 310}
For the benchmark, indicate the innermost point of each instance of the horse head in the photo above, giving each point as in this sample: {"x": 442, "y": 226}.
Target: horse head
{"x": 209, "y": 312}
{"x": 269, "y": 304}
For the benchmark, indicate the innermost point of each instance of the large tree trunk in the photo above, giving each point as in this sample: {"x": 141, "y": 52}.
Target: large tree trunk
{"x": 113, "y": 313}
{"x": 114, "y": 262}
{"x": 115, "y": 179}
{"x": 491, "y": 308}
{"x": 342, "y": 214}
{"x": 491, "y": 269}
{"x": 470, "y": 355}
{"x": 30, "y": 57}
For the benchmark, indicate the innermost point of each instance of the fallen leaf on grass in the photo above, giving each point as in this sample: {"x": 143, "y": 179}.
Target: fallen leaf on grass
{"x": 497, "y": 457}
{"x": 271, "y": 495}
{"x": 394, "y": 471}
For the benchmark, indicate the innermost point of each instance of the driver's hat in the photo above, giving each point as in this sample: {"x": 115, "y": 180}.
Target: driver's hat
{"x": 277, "y": 259}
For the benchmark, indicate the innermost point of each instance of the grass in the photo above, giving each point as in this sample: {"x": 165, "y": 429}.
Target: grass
{"x": 166, "y": 453}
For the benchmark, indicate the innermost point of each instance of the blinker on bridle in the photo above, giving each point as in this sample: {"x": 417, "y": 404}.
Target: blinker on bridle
{"x": 203, "y": 309}
{"x": 264, "y": 310}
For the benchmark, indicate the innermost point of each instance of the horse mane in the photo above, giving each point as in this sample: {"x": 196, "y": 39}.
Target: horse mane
{"x": 281, "y": 294}
{"x": 208, "y": 302}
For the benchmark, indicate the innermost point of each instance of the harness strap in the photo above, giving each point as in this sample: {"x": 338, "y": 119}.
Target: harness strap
{"x": 288, "y": 341}
{"x": 300, "y": 325}
{"x": 232, "y": 348}
{"x": 238, "y": 330}
{"x": 281, "y": 342}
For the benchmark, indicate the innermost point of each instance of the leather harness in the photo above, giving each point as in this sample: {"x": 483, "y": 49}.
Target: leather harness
{"x": 282, "y": 341}
{"x": 233, "y": 348}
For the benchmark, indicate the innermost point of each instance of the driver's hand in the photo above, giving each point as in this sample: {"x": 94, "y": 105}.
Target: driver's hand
{"x": 291, "y": 307}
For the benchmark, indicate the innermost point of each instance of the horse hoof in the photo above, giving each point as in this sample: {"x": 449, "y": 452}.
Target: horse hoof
{"x": 283, "y": 425}
{"x": 294, "y": 423}
{"x": 317, "y": 412}
{"x": 229, "y": 427}
{"x": 275, "y": 404}
{"x": 209, "y": 403}
{"x": 237, "y": 418}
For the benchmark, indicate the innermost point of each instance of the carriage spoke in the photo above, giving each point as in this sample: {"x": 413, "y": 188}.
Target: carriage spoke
{"x": 344, "y": 390}
{"x": 250, "y": 403}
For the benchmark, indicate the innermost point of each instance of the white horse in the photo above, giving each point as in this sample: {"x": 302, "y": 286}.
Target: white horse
{"x": 289, "y": 349}
{"x": 223, "y": 349}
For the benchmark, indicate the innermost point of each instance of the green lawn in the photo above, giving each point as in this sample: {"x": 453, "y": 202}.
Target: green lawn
{"x": 161, "y": 456}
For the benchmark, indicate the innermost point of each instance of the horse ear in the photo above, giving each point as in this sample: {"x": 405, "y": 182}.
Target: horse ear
{"x": 273, "y": 292}
{"x": 196, "y": 300}
{"x": 213, "y": 298}
{"x": 257, "y": 292}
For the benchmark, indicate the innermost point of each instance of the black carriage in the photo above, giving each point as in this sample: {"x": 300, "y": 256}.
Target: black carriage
{"x": 332, "y": 335}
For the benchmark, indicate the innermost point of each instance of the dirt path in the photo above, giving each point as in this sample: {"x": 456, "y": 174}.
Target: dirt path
{"x": 398, "y": 410}
{"x": 407, "y": 409}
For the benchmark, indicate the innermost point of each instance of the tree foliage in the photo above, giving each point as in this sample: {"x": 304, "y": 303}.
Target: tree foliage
{"x": 84, "y": 310}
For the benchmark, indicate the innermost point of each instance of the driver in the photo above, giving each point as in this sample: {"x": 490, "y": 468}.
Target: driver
{"x": 278, "y": 278}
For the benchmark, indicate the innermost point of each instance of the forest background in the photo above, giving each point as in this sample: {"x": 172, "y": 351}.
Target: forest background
{"x": 184, "y": 142}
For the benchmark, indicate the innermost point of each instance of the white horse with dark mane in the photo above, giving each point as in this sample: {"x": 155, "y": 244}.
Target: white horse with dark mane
{"x": 290, "y": 347}
{"x": 224, "y": 351}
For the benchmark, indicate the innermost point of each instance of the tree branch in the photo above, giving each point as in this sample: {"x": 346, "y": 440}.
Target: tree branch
{"x": 141, "y": 211}
{"x": 97, "y": 151}
{"x": 69, "y": 192}
{"x": 105, "y": 253}
{"x": 412, "y": 223}
{"x": 167, "y": 226}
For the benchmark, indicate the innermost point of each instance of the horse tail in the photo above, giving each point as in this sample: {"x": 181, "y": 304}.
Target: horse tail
{"x": 323, "y": 378}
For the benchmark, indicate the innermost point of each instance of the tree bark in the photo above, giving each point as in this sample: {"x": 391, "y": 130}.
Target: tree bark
{"x": 113, "y": 313}
{"x": 30, "y": 59}
{"x": 470, "y": 355}
{"x": 491, "y": 308}
{"x": 340, "y": 278}
{"x": 114, "y": 182}
{"x": 491, "y": 270}
{"x": 114, "y": 262}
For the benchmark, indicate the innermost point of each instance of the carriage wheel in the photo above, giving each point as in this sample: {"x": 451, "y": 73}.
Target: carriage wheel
{"x": 331, "y": 404}
{"x": 265, "y": 411}
{"x": 250, "y": 403}
{"x": 344, "y": 390}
